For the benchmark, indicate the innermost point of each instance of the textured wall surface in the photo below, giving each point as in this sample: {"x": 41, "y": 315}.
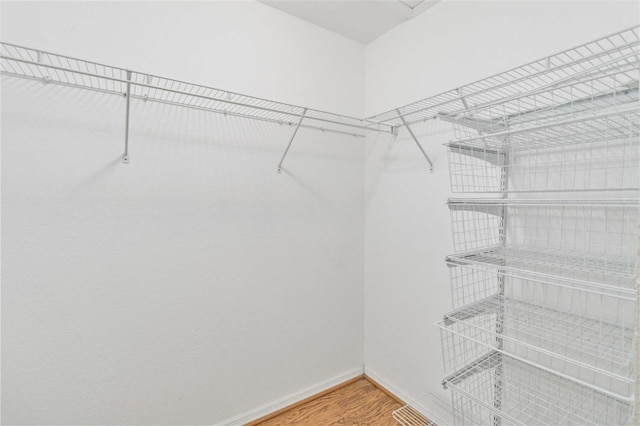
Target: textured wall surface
{"x": 194, "y": 284}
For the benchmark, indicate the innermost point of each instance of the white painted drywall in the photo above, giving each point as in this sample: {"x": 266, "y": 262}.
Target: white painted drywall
{"x": 235, "y": 45}
{"x": 407, "y": 231}
{"x": 194, "y": 285}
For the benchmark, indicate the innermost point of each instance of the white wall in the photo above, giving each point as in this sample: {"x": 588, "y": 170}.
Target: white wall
{"x": 407, "y": 232}
{"x": 195, "y": 284}
{"x": 235, "y": 45}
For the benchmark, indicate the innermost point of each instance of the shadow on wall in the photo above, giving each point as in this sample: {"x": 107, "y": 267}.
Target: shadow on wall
{"x": 78, "y": 125}
{"x": 388, "y": 154}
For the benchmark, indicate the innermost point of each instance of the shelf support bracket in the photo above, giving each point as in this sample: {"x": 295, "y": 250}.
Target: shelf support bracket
{"x": 125, "y": 156}
{"x": 415, "y": 140}
{"x": 293, "y": 136}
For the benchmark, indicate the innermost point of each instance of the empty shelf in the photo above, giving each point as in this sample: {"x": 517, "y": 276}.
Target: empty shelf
{"x": 598, "y": 236}
{"x": 618, "y": 123}
{"x": 564, "y": 341}
{"x": 520, "y": 394}
{"x": 614, "y": 271}
{"x": 59, "y": 69}
{"x": 596, "y": 152}
{"x": 538, "y": 89}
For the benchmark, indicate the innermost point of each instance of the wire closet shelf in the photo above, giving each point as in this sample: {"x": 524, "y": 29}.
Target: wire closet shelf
{"x": 544, "y": 285}
{"x": 597, "y": 238}
{"x": 499, "y": 389}
{"x": 593, "y": 152}
{"x": 570, "y": 80}
{"x": 64, "y": 70}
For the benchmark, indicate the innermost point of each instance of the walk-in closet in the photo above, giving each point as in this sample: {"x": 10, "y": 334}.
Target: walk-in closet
{"x": 264, "y": 212}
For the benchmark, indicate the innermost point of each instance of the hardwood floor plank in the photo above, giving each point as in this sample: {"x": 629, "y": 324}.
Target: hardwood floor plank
{"x": 358, "y": 403}
{"x": 291, "y": 407}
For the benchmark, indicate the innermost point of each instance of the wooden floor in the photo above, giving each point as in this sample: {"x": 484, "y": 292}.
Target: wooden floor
{"x": 358, "y": 403}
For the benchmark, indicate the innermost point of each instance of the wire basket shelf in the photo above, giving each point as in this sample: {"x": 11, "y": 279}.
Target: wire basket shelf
{"x": 598, "y": 236}
{"x": 598, "y": 73}
{"x": 581, "y": 334}
{"x": 498, "y": 389}
{"x": 64, "y": 70}
{"x": 607, "y": 85}
{"x": 597, "y": 152}
{"x": 473, "y": 281}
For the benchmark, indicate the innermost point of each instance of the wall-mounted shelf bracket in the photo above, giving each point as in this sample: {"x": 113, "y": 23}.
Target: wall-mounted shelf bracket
{"x": 293, "y": 136}
{"x": 125, "y": 156}
{"x": 415, "y": 140}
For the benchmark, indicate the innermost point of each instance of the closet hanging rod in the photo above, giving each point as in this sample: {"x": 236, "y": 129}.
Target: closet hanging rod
{"x": 174, "y": 92}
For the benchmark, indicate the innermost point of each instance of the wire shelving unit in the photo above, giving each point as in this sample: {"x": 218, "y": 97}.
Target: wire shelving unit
{"x": 544, "y": 275}
{"x": 543, "y": 327}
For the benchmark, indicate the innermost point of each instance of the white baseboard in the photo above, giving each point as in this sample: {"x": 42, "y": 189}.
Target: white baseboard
{"x": 388, "y": 385}
{"x": 290, "y": 399}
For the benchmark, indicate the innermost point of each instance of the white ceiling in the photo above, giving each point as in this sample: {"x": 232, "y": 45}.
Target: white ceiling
{"x": 359, "y": 20}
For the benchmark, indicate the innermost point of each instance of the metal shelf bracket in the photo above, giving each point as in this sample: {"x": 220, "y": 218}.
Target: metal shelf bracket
{"x": 125, "y": 156}
{"x": 413, "y": 136}
{"x": 293, "y": 136}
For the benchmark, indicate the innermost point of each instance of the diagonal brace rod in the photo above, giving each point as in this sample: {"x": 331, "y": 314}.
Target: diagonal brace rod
{"x": 125, "y": 156}
{"x": 293, "y": 136}
{"x": 416, "y": 140}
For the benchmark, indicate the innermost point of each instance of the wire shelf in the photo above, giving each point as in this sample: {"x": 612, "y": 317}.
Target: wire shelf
{"x": 427, "y": 411}
{"x": 612, "y": 271}
{"x": 587, "y": 338}
{"x": 598, "y": 236}
{"x": 64, "y": 70}
{"x": 473, "y": 281}
{"x": 499, "y": 387}
{"x": 541, "y": 89}
{"x": 581, "y": 94}
{"x": 596, "y": 152}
